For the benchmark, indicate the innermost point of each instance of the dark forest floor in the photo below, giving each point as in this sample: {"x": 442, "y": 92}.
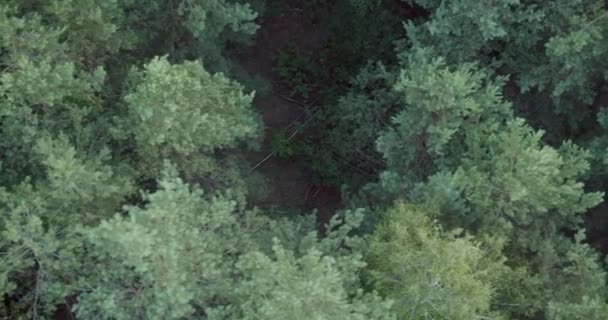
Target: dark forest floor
{"x": 289, "y": 183}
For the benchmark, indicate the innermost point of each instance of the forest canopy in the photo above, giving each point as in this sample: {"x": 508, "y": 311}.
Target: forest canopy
{"x": 303, "y": 159}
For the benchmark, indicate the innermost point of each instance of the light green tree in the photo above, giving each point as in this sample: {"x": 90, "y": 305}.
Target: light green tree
{"x": 312, "y": 286}
{"x": 183, "y": 113}
{"x": 429, "y": 272}
{"x": 92, "y": 30}
{"x": 42, "y": 90}
{"x": 189, "y": 255}
{"x": 163, "y": 261}
{"x": 587, "y": 309}
{"x": 40, "y": 246}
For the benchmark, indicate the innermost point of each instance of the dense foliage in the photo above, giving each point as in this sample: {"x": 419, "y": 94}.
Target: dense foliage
{"x": 469, "y": 139}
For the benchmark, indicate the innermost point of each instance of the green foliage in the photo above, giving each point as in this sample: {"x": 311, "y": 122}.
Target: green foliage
{"x": 59, "y": 163}
{"x": 352, "y": 44}
{"x": 525, "y": 180}
{"x": 189, "y": 29}
{"x": 208, "y": 19}
{"x": 309, "y": 287}
{"x": 164, "y": 260}
{"x": 590, "y": 309}
{"x": 431, "y": 273}
{"x": 310, "y": 276}
{"x": 92, "y": 29}
{"x": 326, "y": 75}
{"x": 42, "y": 91}
{"x": 445, "y": 107}
{"x": 37, "y": 259}
{"x": 552, "y": 49}
{"x": 457, "y": 146}
{"x": 359, "y": 117}
{"x": 184, "y": 113}
{"x": 456, "y": 124}
{"x": 186, "y": 254}
{"x": 41, "y": 249}
{"x": 89, "y": 186}
{"x": 464, "y": 30}
{"x": 97, "y": 97}
{"x": 294, "y": 70}
{"x": 364, "y": 5}
{"x": 597, "y": 144}
{"x": 566, "y": 276}
{"x": 96, "y": 31}
{"x": 281, "y": 145}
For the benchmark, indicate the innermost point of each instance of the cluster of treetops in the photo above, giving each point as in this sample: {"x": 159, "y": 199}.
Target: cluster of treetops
{"x": 470, "y": 139}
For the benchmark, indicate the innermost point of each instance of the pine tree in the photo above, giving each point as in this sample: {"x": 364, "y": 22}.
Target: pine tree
{"x": 467, "y": 211}
{"x": 552, "y": 49}
{"x": 40, "y": 244}
{"x": 444, "y": 107}
{"x": 431, "y": 273}
{"x": 188, "y": 255}
{"x": 456, "y": 145}
{"x": 43, "y": 91}
{"x": 183, "y": 113}
{"x": 359, "y": 117}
